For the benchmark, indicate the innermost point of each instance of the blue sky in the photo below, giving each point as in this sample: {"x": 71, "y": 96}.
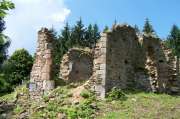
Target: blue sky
{"x": 30, "y": 15}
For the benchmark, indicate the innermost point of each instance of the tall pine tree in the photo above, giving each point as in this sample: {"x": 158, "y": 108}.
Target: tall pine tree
{"x": 148, "y": 28}
{"x": 66, "y": 36}
{"x": 106, "y": 29}
{"x": 89, "y": 35}
{"x": 96, "y": 35}
{"x": 63, "y": 42}
{"x": 137, "y": 29}
{"x": 78, "y": 34}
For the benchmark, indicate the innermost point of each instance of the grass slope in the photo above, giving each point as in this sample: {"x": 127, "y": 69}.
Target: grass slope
{"x": 141, "y": 106}
{"x": 129, "y": 105}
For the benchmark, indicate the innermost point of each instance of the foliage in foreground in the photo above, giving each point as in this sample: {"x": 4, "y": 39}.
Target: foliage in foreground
{"x": 116, "y": 94}
{"x": 59, "y": 102}
{"x": 136, "y": 105}
{"x": 5, "y": 5}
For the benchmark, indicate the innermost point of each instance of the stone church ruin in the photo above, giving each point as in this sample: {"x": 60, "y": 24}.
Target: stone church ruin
{"x": 121, "y": 59}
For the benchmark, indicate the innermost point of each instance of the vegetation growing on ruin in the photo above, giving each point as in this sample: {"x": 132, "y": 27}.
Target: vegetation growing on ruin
{"x": 135, "y": 105}
{"x": 60, "y": 102}
{"x": 116, "y": 94}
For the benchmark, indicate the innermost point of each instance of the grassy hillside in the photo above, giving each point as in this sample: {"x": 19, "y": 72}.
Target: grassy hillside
{"x": 141, "y": 106}
{"x": 75, "y": 102}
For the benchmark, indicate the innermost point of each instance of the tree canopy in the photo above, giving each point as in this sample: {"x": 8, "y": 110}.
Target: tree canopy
{"x": 17, "y": 68}
{"x": 5, "y": 5}
{"x": 77, "y": 35}
{"x": 148, "y": 28}
{"x": 173, "y": 40}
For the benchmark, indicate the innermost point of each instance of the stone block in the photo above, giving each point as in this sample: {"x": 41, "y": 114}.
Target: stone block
{"x": 48, "y": 85}
{"x": 103, "y": 66}
{"x": 47, "y": 56}
{"x": 47, "y": 51}
{"x": 45, "y": 76}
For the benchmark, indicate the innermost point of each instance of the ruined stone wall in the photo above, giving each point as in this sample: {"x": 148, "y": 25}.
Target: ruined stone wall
{"x": 117, "y": 58}
{"x": 41, "y": 74}
{"x": 124, "y": 60}
{"x": 123, "y": 49}
{"x": 98, "y": 78}
{"x": 173, "y": 74}
{"x": 120, "y": 59}
{"x": 76, "y": 65}
{"x": 156, "y": 64}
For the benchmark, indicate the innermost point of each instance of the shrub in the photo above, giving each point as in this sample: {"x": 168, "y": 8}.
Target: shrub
{"x": 85, "y": 94}
{"x": 18, "y": 109}
{"x": 86, "y": 110}
{"x": 116, "y": 94}
{"x": 72, "y": 113}
{"x": 61, "y": 103}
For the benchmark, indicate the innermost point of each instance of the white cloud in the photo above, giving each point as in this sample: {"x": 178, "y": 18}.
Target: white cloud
{"x": 61, "y": 17}
{"x": 29, "y": 16}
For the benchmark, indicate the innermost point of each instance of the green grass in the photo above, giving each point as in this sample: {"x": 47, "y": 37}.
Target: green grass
{"x": 13, "y": 96}
{"x": 8, "y": 97}
{"x": 119, "y": 105}
{"x": 141, "y": 106}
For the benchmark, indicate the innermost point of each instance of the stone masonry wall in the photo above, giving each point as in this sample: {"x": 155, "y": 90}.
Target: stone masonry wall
{"x": 124, "y": 60}
{"x": 156, "y": 64}
{"x": 41, "y": 75}
{"x": 76, "y": 65}
{"x": 116, "y": 58}
{"x": 98, "y": 78}
{"x": 123, "y": 52}
{"x": 173, "y": 74}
